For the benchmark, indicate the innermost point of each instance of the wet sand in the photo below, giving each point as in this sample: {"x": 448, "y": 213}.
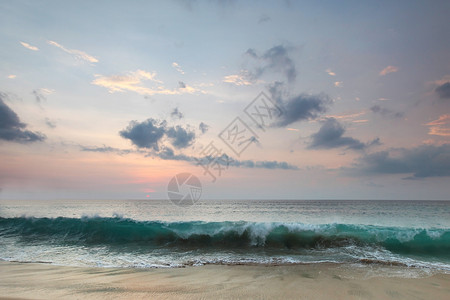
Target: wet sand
{"x": 313, "y": 281}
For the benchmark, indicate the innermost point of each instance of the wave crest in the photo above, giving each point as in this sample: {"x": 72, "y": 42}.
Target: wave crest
{"x": 225, "y": 235}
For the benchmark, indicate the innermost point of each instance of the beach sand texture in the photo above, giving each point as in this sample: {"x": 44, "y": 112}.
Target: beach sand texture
{"x": 312, "y": 281}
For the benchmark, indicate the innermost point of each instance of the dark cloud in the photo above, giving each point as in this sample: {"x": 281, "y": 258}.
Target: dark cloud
{"x": 149, "y": 133}
{"x": 107, "y": 149}
{"x": 9, "y": 118}
{"x": 12, "y": 129}
{"x": 176, "y": 113}
{"x": 181, "y": 138}
{"x": 423, "y": 161}
{"x": 303, "y": 107}
{"x": 203, "y": 127}
{"x": 298, "y": 108}
{"x": 168, "y": 153}
{"x": 330, "y": 135}
{"x": 279, "y": 60}
{"x": 443, "y": 90}
{"x": 145, "y": 134}
{"x": 275, "y": 59}
{"x": 103, "y": 149}
{"x": 385, "y": 112}
{"x": 227, "y": 161}
{"x": 263, "y": 164}
{"x": 181, "y": 84}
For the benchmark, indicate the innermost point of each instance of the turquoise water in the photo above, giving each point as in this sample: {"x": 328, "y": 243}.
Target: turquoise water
{"x": 159, "y": 234}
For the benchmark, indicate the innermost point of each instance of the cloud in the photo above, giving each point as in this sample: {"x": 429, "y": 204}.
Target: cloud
{"x": 302, "y": 107}
{"x": 40, "y": 94}
{"x": 440, "y": 127}
{"x": 388, "y": 69}
{"x": 12, "y": 129}
{"x": 443, "y": 90}
{"x": 338, "y": 84}
{"x": 263, "y": 164}
{"x": 149, "y": 133}
{"x": 146, "y": 134}
{"x": 129, "y": 82}
{"x": 187, "y": 89}
{"x": 442, "y": 120}
{"x": 238, "y": 79}
{"x": 177, "y": 67}
{"x": 276, "y": 59}
{"x": 28, "y": 46}
{"x": 50, "y": 123}
{"x": 12, "y": 76}
{"x": 203, "y": 127}
{"x": 385, "y": 112}
{"x": 225, "y": 160}
{"x": 252, "y": 53}
{"x": 330, "y": 136}
{"x": 279, "y": 60}
{"x": 181, "y": 138}
{"x": 167, "y": 153}
{"x": 176, "y": 113}
{"x": 75, "y": 53}
{"x": 107, "y": 149}
{"x": 422, "y": 161}
{"x": 298, "y": 108}
{"x": 441, "y": 81}
{"x": 329, "y": 72}
{"x": 133, "y": 81}
{"x": 346, "y": 116}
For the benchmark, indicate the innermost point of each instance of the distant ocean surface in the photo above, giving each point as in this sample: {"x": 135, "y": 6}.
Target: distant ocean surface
{"x": 147, "y": 233}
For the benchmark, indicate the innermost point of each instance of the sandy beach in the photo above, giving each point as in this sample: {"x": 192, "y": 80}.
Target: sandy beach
{"x": 313, "y": 281}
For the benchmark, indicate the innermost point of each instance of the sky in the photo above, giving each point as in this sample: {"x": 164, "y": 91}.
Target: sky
{"x": 258, "y": 99}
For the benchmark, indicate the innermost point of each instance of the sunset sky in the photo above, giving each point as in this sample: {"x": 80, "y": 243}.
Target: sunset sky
{"x": 111, "y": 99}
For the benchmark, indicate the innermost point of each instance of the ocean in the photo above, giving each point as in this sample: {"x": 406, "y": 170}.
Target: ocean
{"x": 159, "y": 234}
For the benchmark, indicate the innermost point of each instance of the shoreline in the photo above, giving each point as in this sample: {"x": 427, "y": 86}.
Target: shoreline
{"x": 305, "y": 281}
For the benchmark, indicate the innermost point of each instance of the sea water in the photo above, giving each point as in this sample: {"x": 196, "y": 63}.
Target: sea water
{"x": 157, "y": 233}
